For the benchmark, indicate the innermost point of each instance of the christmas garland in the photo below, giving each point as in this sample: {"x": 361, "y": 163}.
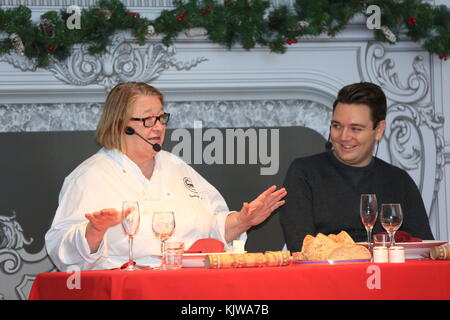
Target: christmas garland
{"x": 245, "y": 22}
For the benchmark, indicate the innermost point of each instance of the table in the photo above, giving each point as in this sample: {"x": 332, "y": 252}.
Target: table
{"x": 414, "y": 279}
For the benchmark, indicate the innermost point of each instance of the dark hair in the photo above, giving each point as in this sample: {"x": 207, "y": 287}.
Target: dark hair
{"x": 365, "y": 93}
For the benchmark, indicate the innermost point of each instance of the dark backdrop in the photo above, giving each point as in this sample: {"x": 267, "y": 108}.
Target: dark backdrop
{"x": 34, "y": 165}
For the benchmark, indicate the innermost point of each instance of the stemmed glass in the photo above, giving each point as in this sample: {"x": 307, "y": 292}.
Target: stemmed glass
{"x": 163, "y": 224}
{"x": 391, "y": 219}
{"x": 130, "y": 224}
{"x": 368, "y": 210}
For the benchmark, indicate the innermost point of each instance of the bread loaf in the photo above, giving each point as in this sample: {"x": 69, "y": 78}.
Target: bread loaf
{"x": 332, "y": 247}
{"x": 349, "y": 252}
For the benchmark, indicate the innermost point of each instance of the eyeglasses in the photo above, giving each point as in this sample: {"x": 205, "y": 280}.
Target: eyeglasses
{"x": 149, "y": 122}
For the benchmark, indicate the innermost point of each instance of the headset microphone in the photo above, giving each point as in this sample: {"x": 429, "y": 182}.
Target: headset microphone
{"x": 130, "y": 131}
{"x": 328, "y": 144}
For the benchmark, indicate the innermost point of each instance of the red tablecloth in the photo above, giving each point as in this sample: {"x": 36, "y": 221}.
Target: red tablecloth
{"x": 415, "y": 279}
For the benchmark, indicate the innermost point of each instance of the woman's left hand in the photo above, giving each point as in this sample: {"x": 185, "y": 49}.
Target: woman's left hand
{"x": 253, "y": 213}
{"x": 258, "y": 210}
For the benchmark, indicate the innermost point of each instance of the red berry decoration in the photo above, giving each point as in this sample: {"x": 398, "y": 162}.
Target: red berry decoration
{"x": 132, "y": 14}
{"x": 291, "y": 41}
{"x": 411, "y": 20}
{"x": 181, "y": 17}
{"x": 203, "y": 12}
{"x": 51, "y": 48}
{"x": 444, "y": 56}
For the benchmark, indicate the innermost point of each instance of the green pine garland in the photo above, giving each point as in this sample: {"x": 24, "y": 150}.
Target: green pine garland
{"x": 245, "y": 22}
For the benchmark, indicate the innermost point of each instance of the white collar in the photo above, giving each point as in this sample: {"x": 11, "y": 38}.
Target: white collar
{"x": 129, "y": 165}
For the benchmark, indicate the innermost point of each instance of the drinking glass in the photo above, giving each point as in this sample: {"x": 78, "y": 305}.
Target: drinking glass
{"x": 368, "y": 211}
{"x": 130, "y": 224}
{"x": 163, "y": 225}
{"x": 391, "y": 217}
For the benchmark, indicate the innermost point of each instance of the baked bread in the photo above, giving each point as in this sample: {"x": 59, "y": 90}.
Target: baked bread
{"x": 349, "y": 252}
{"x": 319, "y": 248}
{"x": 332, "y": 248}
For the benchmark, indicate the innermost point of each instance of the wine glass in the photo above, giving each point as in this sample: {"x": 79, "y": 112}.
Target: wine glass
{"x": 163, "y": 225}
{"x": 368, "y": 210}
{"x": 130, "y": 224}
{"x": 391, "y": 217}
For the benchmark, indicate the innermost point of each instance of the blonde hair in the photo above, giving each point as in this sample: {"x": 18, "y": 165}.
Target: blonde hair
{"x": 117, "y": 110}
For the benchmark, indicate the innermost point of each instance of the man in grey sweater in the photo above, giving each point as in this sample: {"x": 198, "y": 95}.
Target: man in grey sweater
{"x": 323, "y": 190}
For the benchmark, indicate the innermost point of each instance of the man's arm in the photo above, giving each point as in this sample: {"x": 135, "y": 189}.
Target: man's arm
{"x": 415, "y": 218}
{"x": 296, "y": 216}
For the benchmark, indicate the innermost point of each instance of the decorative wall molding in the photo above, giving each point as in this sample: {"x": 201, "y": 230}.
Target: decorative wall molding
{"x": 413, "y": 138}
{"x": 49, "y": 117}
{"x": 18, "y": 267}
{"x": 239, "y": 76}
{"x": 128, "y": 3}
{"x": 214, "y": 114}
{"x": 36, "y": 4}
{"x": 382, "y": 70}
{"x": 122, "y": 62}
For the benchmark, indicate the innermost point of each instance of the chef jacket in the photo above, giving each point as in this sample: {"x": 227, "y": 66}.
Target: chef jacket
{"x": 108, "y": 178}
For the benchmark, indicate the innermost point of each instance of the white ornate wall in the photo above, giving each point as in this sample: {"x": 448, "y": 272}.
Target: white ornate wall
{"x": 232, "y": 89}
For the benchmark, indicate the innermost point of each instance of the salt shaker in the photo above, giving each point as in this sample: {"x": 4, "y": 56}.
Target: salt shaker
{"x": 396, "y": 254}
{"x": 380, "y": 254}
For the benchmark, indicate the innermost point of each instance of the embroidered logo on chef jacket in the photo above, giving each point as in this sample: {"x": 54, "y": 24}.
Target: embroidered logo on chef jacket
{"x": 189, "y": 185}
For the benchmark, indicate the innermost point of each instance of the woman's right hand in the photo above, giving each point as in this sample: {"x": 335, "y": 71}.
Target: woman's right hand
{"x": 99, "y": 222}
{"x": 104, "y": 219}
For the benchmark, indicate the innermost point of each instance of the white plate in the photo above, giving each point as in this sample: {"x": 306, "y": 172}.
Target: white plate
{"x": 417, "y": 250}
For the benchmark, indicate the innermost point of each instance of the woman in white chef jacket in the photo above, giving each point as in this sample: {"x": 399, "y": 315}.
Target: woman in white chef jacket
{"x": 86, "y": 231}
